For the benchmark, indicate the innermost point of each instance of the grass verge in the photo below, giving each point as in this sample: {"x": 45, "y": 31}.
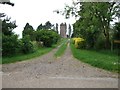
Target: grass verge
{"x": 61, "y": 49}
{"x": 107, "y": 61}
{"x": 22, "y": 57}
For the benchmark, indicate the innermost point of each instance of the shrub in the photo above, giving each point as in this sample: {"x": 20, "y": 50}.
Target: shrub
{"x": 27, "y": 46}
{"x": 37, "y": 45}
{"x": 100, "y": 43}
{"x": 10, "y": 45}
{"x": 79, "y": 42}
{"x": 48, "y": 37}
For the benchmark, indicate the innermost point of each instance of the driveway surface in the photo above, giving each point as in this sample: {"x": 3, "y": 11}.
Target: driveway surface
{"x": 48, "y": 71}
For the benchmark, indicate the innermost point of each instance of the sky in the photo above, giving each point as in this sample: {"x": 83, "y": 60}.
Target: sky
{"x": 35, "y": 12}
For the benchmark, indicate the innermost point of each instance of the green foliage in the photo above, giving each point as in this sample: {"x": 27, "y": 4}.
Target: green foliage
{"x": 100, "y": 43}
{"x": 94, "y": 20}
{"x": 27, "y": 46}
{"x": 28, "y": 30}
{"x": 47, "y": 26}
{"x": 40, "y": 27}
{"x": 116, "y": 35}
{"x": 10, "y": 44}
{"x": 56, "y": 28}
{"x": 70, "y": 30}
{"x": 7, "y": 27}
{"x": 48, "y": 37}
{"x": 22, "y": 57}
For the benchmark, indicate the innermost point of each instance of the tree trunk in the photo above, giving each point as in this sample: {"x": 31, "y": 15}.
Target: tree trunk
{"x": 107, "y": 41}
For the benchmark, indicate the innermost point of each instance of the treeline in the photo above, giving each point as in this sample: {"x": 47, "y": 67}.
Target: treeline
{"x": 45, "y": 36}
{"x": 31, "y": 40}
{"x": 94, "y": 23}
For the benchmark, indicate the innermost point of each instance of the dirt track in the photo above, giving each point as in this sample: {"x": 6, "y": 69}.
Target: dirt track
{"x": 50, "y": 72}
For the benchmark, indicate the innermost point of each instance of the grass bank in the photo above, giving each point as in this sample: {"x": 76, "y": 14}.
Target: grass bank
{"x": 107, "y": 61}
{"x": 61, "y": 49}
{"x": 22, "y": 57}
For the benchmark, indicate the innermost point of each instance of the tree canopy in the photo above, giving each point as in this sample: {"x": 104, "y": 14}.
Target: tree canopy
{"x": 94, "y": 20}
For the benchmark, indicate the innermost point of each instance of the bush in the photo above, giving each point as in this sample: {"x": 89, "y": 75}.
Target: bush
{"x": 48, "y": 37}
{"x": 27, "y": 46}
{"x": 79, "y": 42}
{"x": 100, "y": 43}
{"x": 10, "y": 45}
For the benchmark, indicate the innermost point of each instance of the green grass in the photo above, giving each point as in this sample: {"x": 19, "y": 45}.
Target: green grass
{"x": 22, "y": 57}
{"x": 104, "y": 60}
{"x": 62, "y": 48}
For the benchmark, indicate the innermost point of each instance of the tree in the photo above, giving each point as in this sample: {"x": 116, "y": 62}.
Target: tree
{"x": 40, "y": 27}
{"x": 28, "y": 30}
{"x": 48, "y": 25}
{"x": 10, "y": 45}
{"x": 69, "y": 30}
{"x": 117, "y": 31}
{"x": 94, "y": 18}
{"x": 10, "y": 42}
{"x": 27, "y": 46}
{"x": 57, "y": 27}
{"x": 48, "y": 37}
{"x": 7, "y": 27}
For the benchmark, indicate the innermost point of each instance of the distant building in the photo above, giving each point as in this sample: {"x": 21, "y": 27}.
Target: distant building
{"x": 63, "y": 29}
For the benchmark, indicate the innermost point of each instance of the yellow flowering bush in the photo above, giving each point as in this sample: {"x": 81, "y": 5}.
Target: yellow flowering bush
{"x": 79, "y": 42}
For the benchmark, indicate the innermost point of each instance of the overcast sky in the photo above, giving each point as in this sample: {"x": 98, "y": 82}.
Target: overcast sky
{"x": 35, "y": 12}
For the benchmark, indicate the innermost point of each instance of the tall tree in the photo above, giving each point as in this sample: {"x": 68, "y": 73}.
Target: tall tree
{"x": 28, "y": 30}
{"x": 94, "y": 17}
{"x": 48, "y": 25}
{"x": 70, "y": 30}
{"x": 57, "y": 27}
{"x": 7, "y": 27}
{"x": 40, "y": 27}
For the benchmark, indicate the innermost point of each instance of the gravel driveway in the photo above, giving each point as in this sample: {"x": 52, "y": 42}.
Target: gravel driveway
{"x": 50, "y": 72}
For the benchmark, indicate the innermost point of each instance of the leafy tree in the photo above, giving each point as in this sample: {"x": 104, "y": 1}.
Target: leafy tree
{"x": 9, "y": 39}
{"x": 28, "y": 30}
{"x": 27, "y": 46}
{"x": 48, "y": 25}
{"x": 7, "y": 27}
{"x": 56, "y": 27}
{"x": 40, "y": 27}
{"x": 48, "y": 37}
{"x": 94, "y": 19}
{"x": 117, "y": 31}
{"x": 10, "y": 45}
{"x": 10, "y": 42}
{"x": 69, "y": 30}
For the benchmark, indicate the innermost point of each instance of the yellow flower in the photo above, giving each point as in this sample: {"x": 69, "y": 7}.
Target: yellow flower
{"x": 77, "y": 41}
